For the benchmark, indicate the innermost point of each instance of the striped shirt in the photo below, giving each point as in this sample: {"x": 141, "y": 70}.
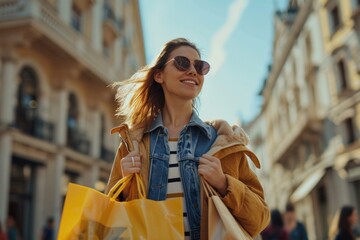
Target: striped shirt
{"x": 174, "y": 187}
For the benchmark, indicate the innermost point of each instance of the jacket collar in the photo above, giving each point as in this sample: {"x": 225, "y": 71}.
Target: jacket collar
{"x": 194, "y": 121}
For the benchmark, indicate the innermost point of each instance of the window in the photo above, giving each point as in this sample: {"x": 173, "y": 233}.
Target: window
{"x": 334, "y": 18}
{"x": 341, "y": 75}
{"x": 27, "y": 101}
{"x": 348, "y": 131}
{"x": 72, "y": 121}
{"x": 76, "y": 18}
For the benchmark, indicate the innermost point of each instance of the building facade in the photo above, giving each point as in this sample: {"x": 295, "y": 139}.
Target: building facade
{"x": 57, "y": 60}
{"x": 310, "y": 109}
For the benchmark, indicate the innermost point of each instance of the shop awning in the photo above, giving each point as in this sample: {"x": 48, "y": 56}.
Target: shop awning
{"x": 307, "y": 185}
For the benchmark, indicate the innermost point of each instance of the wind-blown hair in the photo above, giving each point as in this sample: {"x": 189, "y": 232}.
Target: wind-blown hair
{"x": 344, "y": 225}
{"x": 140, "y": 98}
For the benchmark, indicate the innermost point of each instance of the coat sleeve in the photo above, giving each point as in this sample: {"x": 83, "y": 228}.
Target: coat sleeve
{"x": 245, "y": 195}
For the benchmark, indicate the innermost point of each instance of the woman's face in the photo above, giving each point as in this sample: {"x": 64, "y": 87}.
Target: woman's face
{"x": 184, "y": 85}
{"x": 353, "y": 218}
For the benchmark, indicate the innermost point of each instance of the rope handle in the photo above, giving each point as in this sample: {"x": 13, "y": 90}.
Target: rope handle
{"x": 119, "y": 187}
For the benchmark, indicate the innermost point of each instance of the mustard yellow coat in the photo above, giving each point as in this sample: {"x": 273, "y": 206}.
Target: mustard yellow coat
{"x": 245, "y": 196}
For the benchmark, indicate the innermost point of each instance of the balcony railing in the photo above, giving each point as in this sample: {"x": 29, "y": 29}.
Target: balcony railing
{"x": 77, "y": 141}
{"x": 44, "y": 130}
{"x": 36, "y": 127}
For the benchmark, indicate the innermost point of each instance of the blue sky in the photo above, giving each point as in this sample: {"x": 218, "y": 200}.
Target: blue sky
{"x": 234, "y": 36}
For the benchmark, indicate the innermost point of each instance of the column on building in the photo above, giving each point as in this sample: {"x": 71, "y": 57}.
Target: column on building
{"x": 5, "y": 167}
{"x": 95, "y": 134}
{"x": 54, "y": 186}
{"x": 64, "y": 7}
{"x": 119, "y": 5}
{"x": 7, "y": 104}
{"x": 97, "y": 18}
{"x": 7, "y": 91}
{"x": 56, "y": 166}
{"x": 40, "y": 201}
{"x": 91, "y": 175}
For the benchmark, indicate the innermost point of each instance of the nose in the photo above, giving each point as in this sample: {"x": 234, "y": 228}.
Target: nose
{"x": 192, "y": 70}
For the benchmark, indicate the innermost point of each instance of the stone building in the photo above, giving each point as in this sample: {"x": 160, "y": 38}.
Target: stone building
{"x": 310, "y": 111}
{"x": 57, "y": 59}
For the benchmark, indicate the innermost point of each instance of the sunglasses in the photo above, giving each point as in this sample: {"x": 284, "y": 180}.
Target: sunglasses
{"x": 183, "y": 64}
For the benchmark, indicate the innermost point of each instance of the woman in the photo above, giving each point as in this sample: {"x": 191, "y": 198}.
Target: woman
{"x": 165, "y": 141}
{"x": 347, "y": 220}
{"x": 276, "y": 229}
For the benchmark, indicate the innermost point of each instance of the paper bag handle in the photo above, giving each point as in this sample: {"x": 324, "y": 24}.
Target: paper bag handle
{"x": 117, "y": 189}
{"x": 209, "y": 190}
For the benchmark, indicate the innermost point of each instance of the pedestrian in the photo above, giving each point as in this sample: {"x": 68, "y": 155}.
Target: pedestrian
{"x": 164, "y": 140}
{"x": 275, "y": 230}
{"x": 11, "y": 229}
{"x": 295, "y": 228}
{"x": 2, "y": 233}
{"x": 347, "y": 220}
{"x": 48, "y": 232}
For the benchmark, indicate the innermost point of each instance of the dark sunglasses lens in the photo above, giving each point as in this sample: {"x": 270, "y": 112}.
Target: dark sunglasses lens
{"x": 202, "y": 67}
{"x": 182, "y": 63}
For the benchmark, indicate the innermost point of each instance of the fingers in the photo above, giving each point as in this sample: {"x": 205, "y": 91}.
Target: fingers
{"x": 209, "y": 165}
{"x": 131, "y": 163}
{"x": 210, "y": 168}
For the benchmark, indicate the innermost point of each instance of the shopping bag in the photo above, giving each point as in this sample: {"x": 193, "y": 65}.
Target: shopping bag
{"x": 89, "y": 214}
{"x": 222, "y": 225}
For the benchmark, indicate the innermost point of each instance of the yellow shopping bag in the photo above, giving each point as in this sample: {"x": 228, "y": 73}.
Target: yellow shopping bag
{"x": 89, "y": 214}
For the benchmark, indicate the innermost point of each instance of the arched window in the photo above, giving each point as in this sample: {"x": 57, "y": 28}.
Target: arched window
{"x": 72, "y": 120}
{"x": 27, "y": 101}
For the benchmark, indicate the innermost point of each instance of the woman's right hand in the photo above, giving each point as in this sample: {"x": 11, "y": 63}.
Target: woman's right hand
{"x": 131, "y": 163}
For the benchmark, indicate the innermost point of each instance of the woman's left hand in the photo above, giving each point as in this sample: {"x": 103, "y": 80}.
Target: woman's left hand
{"x": 210, "y": 169}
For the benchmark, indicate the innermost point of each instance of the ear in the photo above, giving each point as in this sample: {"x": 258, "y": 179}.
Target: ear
{"x": 158, "y": 77}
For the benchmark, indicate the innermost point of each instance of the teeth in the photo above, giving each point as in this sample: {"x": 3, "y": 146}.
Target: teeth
{"x": 189, "y": 81}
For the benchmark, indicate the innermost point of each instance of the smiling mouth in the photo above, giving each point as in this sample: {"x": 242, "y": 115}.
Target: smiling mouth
{"x": 192, "y": 82}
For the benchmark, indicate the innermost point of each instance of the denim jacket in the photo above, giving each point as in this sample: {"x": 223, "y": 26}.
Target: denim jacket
{"x": 195, "y": 139}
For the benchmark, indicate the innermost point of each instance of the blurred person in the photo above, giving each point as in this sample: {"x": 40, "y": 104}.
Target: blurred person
{"x": 295, "y": 228}
{"x": 48, "y": 232}
{"x": 346, "y": 226}
{"x": 11, "y": 229}
{"x": 2, "y": 233}
{"x": 275, "y": 230}
{"x": 176, "y": 148}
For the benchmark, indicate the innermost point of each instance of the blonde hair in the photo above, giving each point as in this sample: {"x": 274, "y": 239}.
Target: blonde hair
{"x": 141, "y": 98}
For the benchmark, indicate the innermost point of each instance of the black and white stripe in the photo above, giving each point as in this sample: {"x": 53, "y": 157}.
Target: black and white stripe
{"x": 174, "y": 187}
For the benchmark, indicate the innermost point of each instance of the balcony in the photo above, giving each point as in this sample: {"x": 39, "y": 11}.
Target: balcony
{"x": 48, "y": 26}
{"x": 77, "y": 141}
{"x": 111, "y": 25}
{"x": 308, "y": 126}
{"x": 36, "y": 127}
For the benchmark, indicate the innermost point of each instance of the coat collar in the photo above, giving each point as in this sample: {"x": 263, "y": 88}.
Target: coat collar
{"x": 194, "y": 121}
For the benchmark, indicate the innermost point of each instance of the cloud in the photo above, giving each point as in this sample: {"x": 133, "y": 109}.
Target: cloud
{"x": 217, "y": 52}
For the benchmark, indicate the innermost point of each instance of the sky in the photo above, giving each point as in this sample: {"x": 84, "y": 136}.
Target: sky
{"x": 234, "y": 36}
